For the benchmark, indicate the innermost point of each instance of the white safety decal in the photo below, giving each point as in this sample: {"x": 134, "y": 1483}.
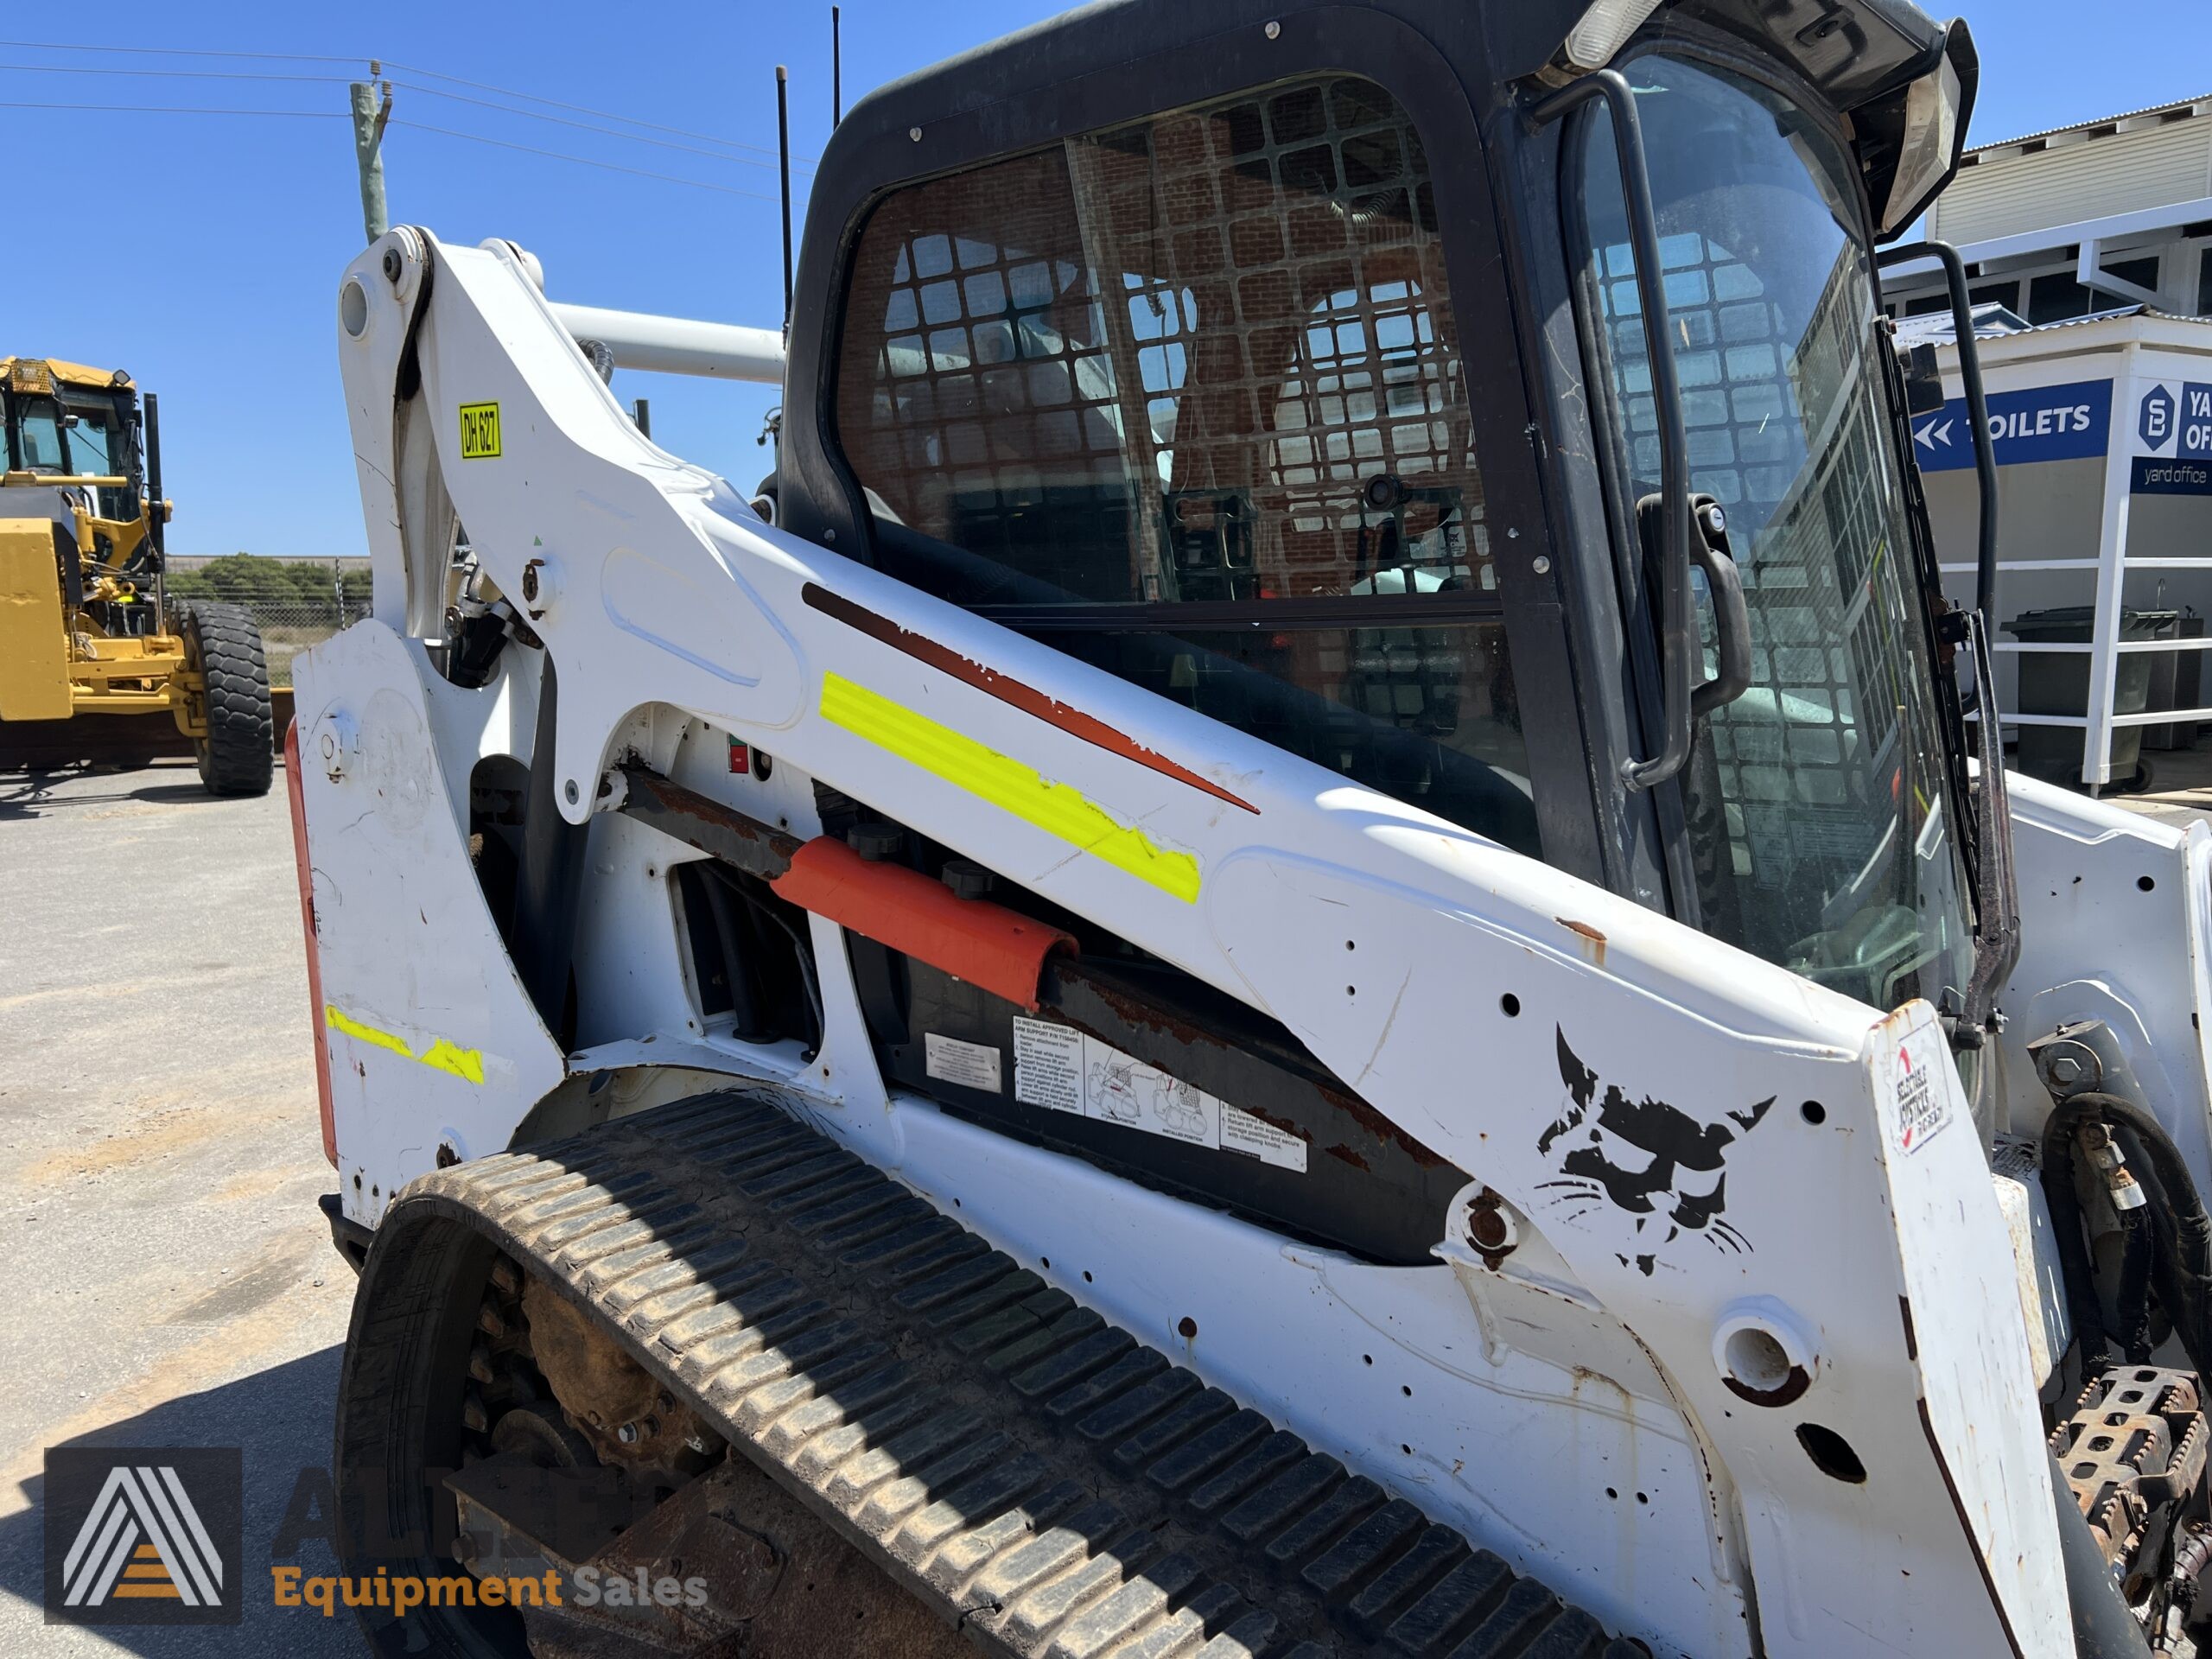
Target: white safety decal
{"x": 1923, "y": 1103}
{"x": 1064, "y": 1070}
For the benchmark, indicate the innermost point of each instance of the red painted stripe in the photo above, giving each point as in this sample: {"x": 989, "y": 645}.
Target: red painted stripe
{"x": 296, "y": 790}
{"x": 984, "y": 944}
{"x": 1029, "y": 700}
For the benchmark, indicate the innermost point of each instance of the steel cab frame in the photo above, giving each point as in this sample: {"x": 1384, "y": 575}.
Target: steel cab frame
{"x": 1602, "y": 652}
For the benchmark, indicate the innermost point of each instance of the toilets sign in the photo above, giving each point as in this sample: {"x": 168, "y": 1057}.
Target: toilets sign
{"x": 2071, "y": 423}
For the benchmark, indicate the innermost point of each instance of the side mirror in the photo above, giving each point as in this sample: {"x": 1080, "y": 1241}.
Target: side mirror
{"x": 1923, "y": 379}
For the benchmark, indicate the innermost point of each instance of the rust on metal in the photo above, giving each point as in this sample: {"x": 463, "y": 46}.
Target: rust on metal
{"x": 1791, "y": 1387}
{"x": 1009, "y": 692}
{"x": 699, "y": 821}
{"x": 606, "y": 1396}
{"x": 1589, "y": 935}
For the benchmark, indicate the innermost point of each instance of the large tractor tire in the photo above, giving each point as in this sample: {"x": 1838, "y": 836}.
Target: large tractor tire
{"x": 222, "y": 644}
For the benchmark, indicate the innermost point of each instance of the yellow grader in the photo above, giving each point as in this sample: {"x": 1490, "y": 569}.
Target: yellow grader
{"x": 85, "y": 625}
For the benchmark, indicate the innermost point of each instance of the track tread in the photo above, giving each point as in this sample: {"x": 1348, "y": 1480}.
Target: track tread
{"x": 1037, "y": 1474}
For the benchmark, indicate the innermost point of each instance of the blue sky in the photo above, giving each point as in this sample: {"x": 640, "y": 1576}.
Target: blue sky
{"x": 244, "y": 222}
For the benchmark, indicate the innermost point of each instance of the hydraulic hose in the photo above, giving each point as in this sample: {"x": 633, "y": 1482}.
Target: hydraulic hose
{"x": 2082, "y": 1308}
{"x": 2171, "y": 1192}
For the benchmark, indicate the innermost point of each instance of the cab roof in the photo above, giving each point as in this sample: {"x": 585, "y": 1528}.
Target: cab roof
{"x": 72, "y": 374}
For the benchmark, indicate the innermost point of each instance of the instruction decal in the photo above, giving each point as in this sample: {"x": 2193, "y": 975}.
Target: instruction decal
{"x": 1923, "y": 1103}
{"x": 479, "y": 431}
{"x": 1647, "y": 1159}
{"x": 972, "y": 1065}
{"x": 1064, "y": 1070}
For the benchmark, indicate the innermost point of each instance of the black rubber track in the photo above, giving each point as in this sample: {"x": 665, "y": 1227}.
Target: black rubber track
{"x": 1020, "y": 1464}
{"x": 237, "y": 757}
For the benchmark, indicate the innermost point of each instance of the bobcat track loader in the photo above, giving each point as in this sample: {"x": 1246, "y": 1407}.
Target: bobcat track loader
{"x": 1304, "y": 946}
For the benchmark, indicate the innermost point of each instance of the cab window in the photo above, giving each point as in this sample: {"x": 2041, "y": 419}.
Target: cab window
{"x": 37, "y": 436}
{"x": 1185, "y": 398}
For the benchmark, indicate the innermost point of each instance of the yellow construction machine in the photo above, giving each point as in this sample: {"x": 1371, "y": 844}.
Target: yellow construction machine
{"x": 85, "y": 625}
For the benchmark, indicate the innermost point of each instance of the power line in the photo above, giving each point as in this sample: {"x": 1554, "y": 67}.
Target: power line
{"x": 184, "y": 52}
{"x": 406, "y": 68}
{"x": 173, "y": 109}
{"x": 412, "y": 86}
{"x": 167, "y": 75}
{"x": 419, "y": 126}
{"x": 584, "y": 126}
{"x": 581, "y": 161}
{"x": 574, "y": 109}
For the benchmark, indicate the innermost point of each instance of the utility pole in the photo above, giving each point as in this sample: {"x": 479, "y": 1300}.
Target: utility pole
{"x": 837, "y": 69}
{"x": 784, "y": 165}
{"x": 371, "y": 109}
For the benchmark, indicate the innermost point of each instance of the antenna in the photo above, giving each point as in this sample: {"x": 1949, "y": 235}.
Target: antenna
{"x": 784, "y": 161}
{"x": 837, "y": 69}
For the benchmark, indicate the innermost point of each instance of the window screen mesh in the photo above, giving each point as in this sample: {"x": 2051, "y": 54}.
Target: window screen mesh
{"x": 1207, "y": 361}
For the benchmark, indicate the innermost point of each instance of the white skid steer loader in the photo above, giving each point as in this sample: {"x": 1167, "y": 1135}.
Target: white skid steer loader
{"x": 1304, "y": 944}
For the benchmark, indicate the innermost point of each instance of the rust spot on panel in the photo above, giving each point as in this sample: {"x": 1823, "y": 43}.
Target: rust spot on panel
{"x": 1791, "y": 1387}
{"x": 1345, "y": 1155}
{"x": 1590, "y": 936}
{"x": 1911, "y": 1340}
{"x": 1381, "y": 1127}
{"x": 1488, "y": 1232}
{"x": 1011, "y": 692}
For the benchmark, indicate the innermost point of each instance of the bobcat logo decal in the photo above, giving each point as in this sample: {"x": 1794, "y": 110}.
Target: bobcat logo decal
{"x": 1647, "y": 1158}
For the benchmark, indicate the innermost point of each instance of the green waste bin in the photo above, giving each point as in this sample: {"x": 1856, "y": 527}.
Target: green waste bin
{"x": 2058, "y": 683}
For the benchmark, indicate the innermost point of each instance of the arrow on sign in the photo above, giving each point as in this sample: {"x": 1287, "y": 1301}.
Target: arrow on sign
{"x": 1931, "y": 435}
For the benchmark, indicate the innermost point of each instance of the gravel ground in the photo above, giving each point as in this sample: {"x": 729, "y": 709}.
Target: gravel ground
{"x": 170, "y": 1280}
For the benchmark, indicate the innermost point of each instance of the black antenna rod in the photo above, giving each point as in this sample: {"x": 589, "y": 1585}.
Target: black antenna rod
{"x": 837, "y": 69}
{"x": 784, "y": 161}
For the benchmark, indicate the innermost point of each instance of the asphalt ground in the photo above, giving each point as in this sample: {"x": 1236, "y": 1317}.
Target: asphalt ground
{"x": 166, "y": 1279}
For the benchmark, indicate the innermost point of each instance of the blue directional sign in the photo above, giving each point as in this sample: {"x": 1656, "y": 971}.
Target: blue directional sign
{"x": 2070, "y": 422}
{"x": 2178, "y": 426}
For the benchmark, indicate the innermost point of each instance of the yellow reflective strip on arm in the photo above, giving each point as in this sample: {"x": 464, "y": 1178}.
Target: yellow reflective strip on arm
{"x": 467, "y": 1063}
{"x": 1058, "y": 809}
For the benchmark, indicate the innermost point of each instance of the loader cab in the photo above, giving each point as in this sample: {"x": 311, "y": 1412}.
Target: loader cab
{"x": 1319, "y": 369}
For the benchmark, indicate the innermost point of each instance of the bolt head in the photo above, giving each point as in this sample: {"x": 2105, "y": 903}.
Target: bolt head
{"x": 1488, "y": 1230}
{"x": 914, "y": 134}
{"x": 392, "y": 266}
{"x": 2066, "y": 1069}
{"x": 1274, "y": 31}
{"x": 530, "y": 580}
{"x": 627, "y": 1434}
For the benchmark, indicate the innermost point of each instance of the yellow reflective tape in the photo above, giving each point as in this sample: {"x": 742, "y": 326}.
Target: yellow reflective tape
{"x": 1058, "y": 809}
{"x": 467, "y": 1063}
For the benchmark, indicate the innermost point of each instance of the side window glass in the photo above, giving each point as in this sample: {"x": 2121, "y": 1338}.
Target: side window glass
{"x": 1186, "y": 397}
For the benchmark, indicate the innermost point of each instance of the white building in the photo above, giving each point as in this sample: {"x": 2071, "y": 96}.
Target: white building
{"x": 2084, "y": 218}
{"x": 2097, "y": 240}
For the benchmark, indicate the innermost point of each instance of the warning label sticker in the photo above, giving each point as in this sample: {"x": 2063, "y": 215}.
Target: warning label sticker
{"x": 1064, "y": 1070}
{"x": 1923, "y": 1103}
{"x": 972, "y": 1065}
